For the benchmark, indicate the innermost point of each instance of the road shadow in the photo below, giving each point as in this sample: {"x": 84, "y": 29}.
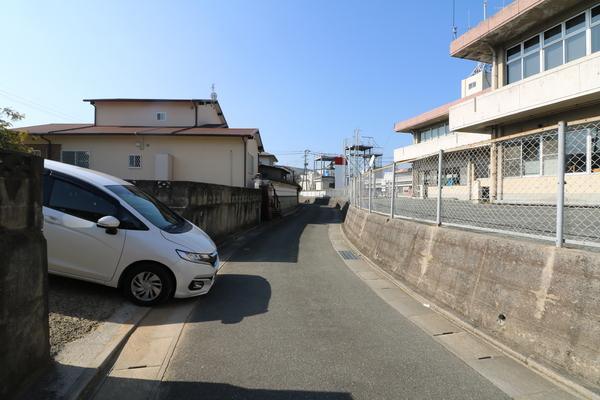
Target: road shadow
{"x": 114, "y": 388}
{"x": 220, "y": 391}
{"x": 233, "y": 298}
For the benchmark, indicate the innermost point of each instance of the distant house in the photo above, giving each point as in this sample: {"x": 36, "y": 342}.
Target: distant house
{"x": 155, "y": 139}
{"x": 265, "y": 158}
{"x": 279, "y": 181}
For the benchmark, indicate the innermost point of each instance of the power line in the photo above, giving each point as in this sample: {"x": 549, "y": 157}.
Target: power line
{"x": 36, "y": 105}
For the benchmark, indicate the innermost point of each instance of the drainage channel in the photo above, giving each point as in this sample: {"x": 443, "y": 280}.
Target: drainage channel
{"x": 348, "y": 255}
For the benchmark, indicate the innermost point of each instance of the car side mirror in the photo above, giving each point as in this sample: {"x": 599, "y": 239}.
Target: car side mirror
{"x": 109, "y": 223}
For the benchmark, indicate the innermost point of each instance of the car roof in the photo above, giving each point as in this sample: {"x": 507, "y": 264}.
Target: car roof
{"x": 85, "y": 174}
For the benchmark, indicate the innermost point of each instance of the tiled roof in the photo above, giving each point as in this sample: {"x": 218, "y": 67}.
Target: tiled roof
{"x": 88, "y": 129}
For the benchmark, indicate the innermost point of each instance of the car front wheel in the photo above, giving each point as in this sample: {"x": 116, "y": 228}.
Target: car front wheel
{"x": 148, "y": 285}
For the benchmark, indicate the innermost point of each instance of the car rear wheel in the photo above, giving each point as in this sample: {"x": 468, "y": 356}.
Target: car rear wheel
{"x": 148, "y": 284}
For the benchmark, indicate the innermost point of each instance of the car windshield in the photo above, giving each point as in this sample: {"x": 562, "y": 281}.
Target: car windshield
{"x": 153, "y": 210}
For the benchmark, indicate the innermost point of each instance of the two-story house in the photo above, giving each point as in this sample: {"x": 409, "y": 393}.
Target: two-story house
{"x": 155, "y": 139}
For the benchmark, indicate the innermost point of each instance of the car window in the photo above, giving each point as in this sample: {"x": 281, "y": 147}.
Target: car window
{"x": 46, "y": 186}
{"x": 74, "y": 200}
{"x": 153, "y": 210}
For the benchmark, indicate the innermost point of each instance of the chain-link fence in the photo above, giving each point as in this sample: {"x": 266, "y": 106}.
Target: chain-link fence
{"x": 544, "y": 185}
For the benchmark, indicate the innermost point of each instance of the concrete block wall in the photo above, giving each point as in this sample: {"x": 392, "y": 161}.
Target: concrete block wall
{"x": 219, "y": 210}
{"x": 547, "y": 296}
{"x": 24, "y": 340}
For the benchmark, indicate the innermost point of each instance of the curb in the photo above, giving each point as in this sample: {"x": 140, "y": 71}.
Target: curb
{"x": 79, "y": 367}
{"x": 558, "y": 379}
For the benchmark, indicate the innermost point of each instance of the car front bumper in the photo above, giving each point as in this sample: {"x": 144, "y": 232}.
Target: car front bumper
{"x": 189, "y": 274}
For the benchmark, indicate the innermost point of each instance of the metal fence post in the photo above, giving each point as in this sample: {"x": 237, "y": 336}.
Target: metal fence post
{"x": 393, "y": 193}
{"x": 370, "y": 188}
{"x": 560, "y": 193}
{"x": 359, "y": 191}
{"x": 438, "y": 219}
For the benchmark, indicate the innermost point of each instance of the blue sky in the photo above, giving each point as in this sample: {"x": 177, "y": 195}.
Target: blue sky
{"x": 305, "y": 72}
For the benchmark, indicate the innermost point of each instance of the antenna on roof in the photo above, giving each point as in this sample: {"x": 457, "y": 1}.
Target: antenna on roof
{"x": 454, "y": 28}
{"x": 213, "y": 94}
{"x": 485, "y": 9}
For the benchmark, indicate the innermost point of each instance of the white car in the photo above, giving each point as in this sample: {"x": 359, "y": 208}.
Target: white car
{"x": 102, "y": 229}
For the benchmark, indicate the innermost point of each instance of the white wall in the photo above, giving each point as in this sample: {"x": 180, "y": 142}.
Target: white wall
{"x": 432, "y": 146}
{"x": 565, "y": 86}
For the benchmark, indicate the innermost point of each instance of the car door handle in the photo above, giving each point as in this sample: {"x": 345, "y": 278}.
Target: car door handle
{"x": 51, "y": 220}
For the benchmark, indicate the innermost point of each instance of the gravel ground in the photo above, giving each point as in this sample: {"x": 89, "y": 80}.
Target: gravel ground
{"x": 76, "y": 308}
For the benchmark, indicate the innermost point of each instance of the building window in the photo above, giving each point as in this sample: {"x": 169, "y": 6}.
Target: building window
{"x": 36, "y": 152}
{"x": 595, "y": 150}
{"x": 78, "y": 158}
{"x": 135, "y": 161}
{"x": 511, "y": 160}
{"x": 575, "y": 41}
{"x": 161, "y": 116}
{"x": 553, "y": 47}
{"x": 531, "y": 57}
{"x": 561, "y": 44}
{"x": 576, "y": 151}
{"x": 535, "y": 156}
{"x": 595, "y": 27}
{"x": 513, "y": 59}
{"x": 549, "y": 154}
{"x": 434, "y": 132}
{"x": 531, "y": 156}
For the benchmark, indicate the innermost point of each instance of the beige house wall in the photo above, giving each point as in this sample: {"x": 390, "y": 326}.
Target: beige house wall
{"x": 251, "y": 162}
{"x": 144, "y": 113}
{"x": 207, "y": 114}
{"x": 218, "y": 160}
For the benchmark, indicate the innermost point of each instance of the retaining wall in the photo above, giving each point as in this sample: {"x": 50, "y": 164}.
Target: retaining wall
{"x": 24, "y": 343}
{"x": 550, "y": 297}
{"x": 219, "y": 210}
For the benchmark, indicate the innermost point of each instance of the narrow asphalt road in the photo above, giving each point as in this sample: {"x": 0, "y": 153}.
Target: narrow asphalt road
{"x": 288, "y": 320}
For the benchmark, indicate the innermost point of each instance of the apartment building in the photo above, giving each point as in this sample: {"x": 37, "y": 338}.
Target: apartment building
{"x": 155, "y": 139}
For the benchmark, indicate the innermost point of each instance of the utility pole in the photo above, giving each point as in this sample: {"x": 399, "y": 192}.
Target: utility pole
{"x": 306, "y": 152}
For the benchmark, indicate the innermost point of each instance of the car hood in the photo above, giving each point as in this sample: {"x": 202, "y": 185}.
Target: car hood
{"x": 195, "y": 240}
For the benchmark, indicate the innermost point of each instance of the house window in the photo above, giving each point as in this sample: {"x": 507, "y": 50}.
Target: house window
{"x": 135, "y": 161}
{"x": 161, "y": 116}
{"x": 78, "y": 158}
{"x": 472, "y": 85}
{"x": 36, "y": 152}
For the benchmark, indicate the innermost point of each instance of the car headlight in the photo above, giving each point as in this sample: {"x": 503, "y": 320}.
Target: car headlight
{"x": 199, "y": 258}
